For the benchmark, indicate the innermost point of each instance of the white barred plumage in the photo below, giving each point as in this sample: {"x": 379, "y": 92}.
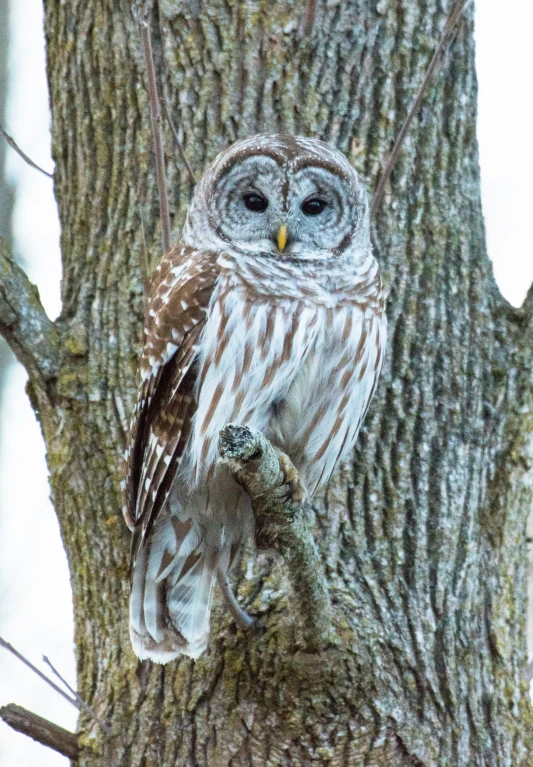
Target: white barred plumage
{"x": 283, "y": 332}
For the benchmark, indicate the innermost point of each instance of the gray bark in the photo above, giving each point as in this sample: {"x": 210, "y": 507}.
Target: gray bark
{"x": 422, "y": 534}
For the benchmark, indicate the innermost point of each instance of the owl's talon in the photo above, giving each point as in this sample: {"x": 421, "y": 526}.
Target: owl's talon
{"x": 291, "y": 488}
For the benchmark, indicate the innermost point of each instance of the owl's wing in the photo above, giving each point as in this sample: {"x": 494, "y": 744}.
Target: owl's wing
{"x": 181, "y": 290}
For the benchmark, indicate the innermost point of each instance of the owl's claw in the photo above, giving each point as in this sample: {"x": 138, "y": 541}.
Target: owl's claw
{"x": 240, "y": 616}
{"x": 291, "y": 489}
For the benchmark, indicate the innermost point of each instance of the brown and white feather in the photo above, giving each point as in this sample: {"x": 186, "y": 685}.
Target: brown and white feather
{"x": 291, "y": 345}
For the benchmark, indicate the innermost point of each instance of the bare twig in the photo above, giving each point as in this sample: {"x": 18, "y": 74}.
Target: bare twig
{"x": 85, "y": 706}
{"x": 13, "y": 144}
{"x": 41, "y": 730}
{"x": 178, "y": 142}
{"x": 24, "y": 323}
{"x": 146, "y": 269}
{"x": 155, "y": 115}
{"x": 121, "y": 430}
{"x": 145, "y": 262}
{"x": 435, "y": 63}
{"x": 240, "y": 616}
{"x": 273, "y": 486}
{"x": 76, "y": 701}
{"x": 308, "y": 20}
{"x": 40, "y": 674}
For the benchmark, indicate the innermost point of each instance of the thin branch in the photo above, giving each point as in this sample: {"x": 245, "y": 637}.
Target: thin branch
{"x": 155, "y": 116}
{"x": 40, "y": 674}
{"x": 13, "y": 144}
{"x": 178, "y": 142}
{"x": 122, "y": 433}
{"x": 308, "y": 20}
{"x": 40, "y": 729}
{"x": 146, "y": 269}
{"x": 272, "y": 483}
{"x": 24, "y": 323}
{"x": 76, "y": 701}
{"x": 85, "y": 706}
{"x": 435, "y": 64}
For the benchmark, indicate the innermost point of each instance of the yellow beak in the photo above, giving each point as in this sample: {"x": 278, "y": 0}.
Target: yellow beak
{"x": 282, "y": 238}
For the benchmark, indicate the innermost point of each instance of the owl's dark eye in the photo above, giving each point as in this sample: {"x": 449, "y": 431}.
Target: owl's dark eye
{"x": 255, "y": 202}
{"x": 313, "y": 207}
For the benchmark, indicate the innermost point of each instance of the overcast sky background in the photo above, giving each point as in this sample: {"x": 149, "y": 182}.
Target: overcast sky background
{"x": 35, "y": 602}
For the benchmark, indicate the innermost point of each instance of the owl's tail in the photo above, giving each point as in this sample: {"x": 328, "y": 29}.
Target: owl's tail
{"x": 172, "y": 591}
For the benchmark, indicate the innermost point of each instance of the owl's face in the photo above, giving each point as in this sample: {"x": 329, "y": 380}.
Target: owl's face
{"x": 280, "y": 196}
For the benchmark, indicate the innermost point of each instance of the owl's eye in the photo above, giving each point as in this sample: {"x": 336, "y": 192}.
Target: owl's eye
{"x": 255, "y": 202}
{"x": 313, "y": 207}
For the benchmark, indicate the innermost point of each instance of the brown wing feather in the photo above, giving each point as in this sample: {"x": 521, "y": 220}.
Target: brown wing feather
{"x": 181, "y": 290}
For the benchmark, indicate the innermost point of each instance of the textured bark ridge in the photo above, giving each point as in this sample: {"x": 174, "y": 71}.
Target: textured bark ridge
{"x": 422, "y": 535}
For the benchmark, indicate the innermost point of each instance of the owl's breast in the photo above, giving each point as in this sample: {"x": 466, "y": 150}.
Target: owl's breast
{"x": 326, "y": 283}
{"x": 317, "y": 421}
{"x": 300, "y": 371}
{"x": 250, "y": 352}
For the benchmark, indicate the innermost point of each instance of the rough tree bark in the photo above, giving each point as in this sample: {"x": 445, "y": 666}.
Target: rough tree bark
{"x": 422, "y": 535}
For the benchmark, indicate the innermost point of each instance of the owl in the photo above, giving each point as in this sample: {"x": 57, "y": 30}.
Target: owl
{"x": 269, "y": 313}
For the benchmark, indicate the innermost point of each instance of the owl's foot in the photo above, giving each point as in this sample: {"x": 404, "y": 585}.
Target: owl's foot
{"x": 291, "y": 488}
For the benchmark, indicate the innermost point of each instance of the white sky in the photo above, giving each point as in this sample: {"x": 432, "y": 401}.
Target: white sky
{"x": 505, "y": 68}
{"x": 35, "y": 607}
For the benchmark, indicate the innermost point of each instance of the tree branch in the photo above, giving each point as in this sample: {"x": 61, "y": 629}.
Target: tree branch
{"x": 41, "y": 730}
{"x": 309, "y": 19}
{"x": 81, "y": 703}
{"x": 272, "y": 483}
{"x": 76, "y": 700}
{"x": 35, "y": 670}
{"x": 13, "y": 144}
{"x": 24, "y": 323}
{"x": 155, "y": 115}
{"x": 436, "y": 61}
{"x": 178, "y": 143}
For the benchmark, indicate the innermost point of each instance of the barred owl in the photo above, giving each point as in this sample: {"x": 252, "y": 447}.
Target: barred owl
{"x": 270, "y": 313}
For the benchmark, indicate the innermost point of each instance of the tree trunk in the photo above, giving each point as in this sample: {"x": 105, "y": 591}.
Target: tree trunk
{"x": 423, "y": 534}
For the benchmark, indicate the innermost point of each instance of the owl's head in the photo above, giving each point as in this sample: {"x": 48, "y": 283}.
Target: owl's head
{"x": 281, "y": 196}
